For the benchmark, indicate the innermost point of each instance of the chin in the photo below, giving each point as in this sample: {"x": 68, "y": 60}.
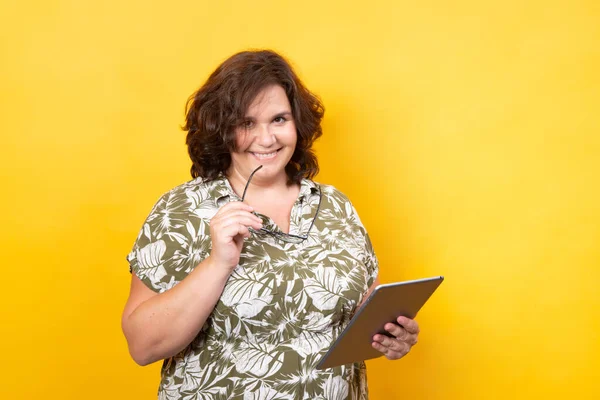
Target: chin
{"x": 269, "y": 170}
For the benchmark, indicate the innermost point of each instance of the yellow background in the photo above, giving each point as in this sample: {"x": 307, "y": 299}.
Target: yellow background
{"x": 465, "y": 132}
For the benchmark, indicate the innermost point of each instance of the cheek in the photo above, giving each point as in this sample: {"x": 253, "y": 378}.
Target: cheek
{"x": 241, "y": 141}
{"x": 292, "y": 136}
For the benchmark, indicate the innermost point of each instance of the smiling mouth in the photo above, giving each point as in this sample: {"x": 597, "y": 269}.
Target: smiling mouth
{"x": 265, "y": 156}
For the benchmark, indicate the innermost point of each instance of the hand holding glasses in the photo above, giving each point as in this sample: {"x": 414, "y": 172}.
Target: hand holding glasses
{"x": 284, "y": 237}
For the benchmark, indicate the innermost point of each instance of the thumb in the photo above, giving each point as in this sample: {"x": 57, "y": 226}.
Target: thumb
{"x": 239, "y": 241}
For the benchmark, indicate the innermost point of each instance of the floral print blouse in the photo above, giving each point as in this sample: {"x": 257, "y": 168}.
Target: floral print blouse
{"x": 282, "y": 307}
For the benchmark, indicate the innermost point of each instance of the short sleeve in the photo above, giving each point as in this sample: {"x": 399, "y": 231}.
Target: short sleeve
{"x": 172, "y": 241}
{"x": 368, "y": 253}
{"x": 340, "y": 217}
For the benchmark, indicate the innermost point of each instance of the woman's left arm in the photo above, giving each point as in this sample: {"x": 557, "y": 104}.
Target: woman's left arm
{"x": 404, "y": 334}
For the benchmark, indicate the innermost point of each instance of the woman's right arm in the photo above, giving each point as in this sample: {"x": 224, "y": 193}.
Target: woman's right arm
{"x": 158, "y": 326}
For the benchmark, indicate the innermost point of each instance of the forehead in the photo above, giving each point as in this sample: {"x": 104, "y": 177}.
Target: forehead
{"x": 271, "y": 99}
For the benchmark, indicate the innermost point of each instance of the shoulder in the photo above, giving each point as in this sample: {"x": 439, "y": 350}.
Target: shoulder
{"x": 190, "y": 197}
{"x": 334, "y": 196}
{"x": 338, "y": 204}
{"x": 338, "y": 211}
{"x": 198, "y": 189}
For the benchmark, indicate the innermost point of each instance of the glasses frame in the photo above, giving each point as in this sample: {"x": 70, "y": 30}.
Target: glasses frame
{"x": 284, "y": 237}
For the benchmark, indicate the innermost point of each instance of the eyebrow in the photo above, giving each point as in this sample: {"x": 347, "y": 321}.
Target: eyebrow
{"x": 280, "y": 114}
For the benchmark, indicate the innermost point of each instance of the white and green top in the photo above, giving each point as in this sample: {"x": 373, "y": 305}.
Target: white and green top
{"x": 282, "y": 307}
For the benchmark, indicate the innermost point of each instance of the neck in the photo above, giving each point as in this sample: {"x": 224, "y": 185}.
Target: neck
{"x": 258, "y": 184}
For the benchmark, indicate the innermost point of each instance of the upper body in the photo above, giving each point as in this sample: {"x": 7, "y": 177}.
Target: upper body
{"x": 244, "y": 275}
{"x": 283, "y": 305}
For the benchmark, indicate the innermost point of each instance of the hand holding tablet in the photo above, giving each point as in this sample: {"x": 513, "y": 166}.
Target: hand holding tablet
{"x": 399, "y": 338}
{"x": 392, "y": 303}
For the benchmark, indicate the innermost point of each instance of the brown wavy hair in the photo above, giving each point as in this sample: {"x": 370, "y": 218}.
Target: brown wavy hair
{"x": 215, "y": 110}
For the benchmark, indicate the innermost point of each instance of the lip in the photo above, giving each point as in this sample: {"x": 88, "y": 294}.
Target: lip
{"x": 267, "y": 158}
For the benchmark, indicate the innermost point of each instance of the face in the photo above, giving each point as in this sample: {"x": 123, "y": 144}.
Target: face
{"x": 267, "y": 137}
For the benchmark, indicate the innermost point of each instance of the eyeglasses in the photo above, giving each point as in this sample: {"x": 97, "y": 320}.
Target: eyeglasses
{"x": 284, "y": 237}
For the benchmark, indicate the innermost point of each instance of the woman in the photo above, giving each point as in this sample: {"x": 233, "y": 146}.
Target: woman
{"x": 244, "y": 276}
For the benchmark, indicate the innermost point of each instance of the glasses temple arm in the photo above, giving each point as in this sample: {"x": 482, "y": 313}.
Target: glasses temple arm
{"x": 248, "y": 182}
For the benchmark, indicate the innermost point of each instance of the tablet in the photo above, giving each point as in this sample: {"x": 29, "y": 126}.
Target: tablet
{"x": 386, "y": 303}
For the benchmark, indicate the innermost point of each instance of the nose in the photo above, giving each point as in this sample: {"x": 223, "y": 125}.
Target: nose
{"x": 265, "y": 137}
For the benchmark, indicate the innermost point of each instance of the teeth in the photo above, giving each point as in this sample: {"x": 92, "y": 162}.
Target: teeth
{"x": 259, "y": 155}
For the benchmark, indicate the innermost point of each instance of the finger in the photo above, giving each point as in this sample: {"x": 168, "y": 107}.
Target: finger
{"x": 243, "y": 230}
{"x": 399, "y": 347}
{"x": 379, "y": 338}
{"x": 392, "y": 344}
{"x": 410, "y": 325}
{"x": 232, "y": 207}
{"x": 389, "y": 353}
{"x": 412, "y": 339}
{"x": 243, "y": 220}
{"x": 236, "y": 211}
{"x": 399, "y": 332}
{"x": 395, "y": 355}
{"x": 233, "y": 214}
{"x": 248, "y": 222}
{"x": 379, "y": 347}
{"x": 236, "y": 205}
{"x": 229, "y": 232}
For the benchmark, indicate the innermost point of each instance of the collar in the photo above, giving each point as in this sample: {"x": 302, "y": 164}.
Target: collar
{"x": 223, "y": 193}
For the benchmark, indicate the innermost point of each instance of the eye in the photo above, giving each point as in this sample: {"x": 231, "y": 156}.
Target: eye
{"x": 279, "y": 120}
{"x": 248, "y": 124}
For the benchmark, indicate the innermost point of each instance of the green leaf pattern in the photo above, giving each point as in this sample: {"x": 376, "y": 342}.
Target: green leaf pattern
{"x": 282, "y": 307}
